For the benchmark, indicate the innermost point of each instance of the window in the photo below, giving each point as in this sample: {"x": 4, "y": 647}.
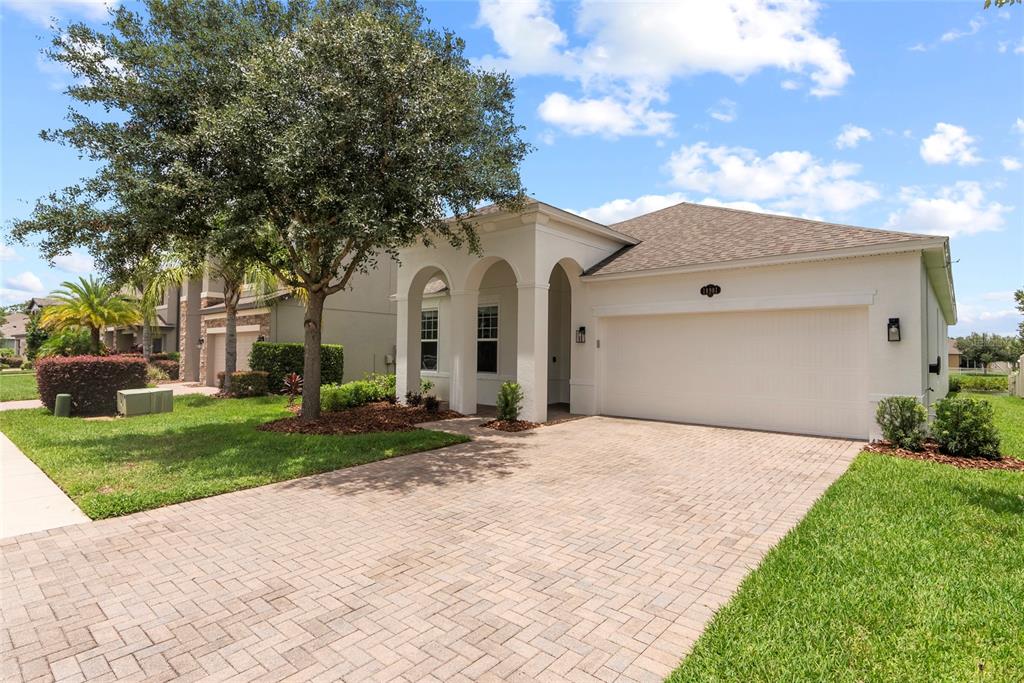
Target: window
{"x": 487, "y": 339}
{"x": 158, "y": 345}
{"x": 428, "y": 340}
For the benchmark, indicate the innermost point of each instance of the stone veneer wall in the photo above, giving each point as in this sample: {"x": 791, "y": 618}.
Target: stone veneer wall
{"x": 217, "y": 320}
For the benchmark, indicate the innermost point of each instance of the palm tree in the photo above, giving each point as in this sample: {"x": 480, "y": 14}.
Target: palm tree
{"x": 89, "y": 304}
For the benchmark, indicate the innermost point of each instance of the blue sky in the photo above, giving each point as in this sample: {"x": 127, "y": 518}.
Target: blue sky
{"x": 898, "y": 115}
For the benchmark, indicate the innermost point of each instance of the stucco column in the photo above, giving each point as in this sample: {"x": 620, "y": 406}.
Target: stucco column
{"x": 407, "y": 347}
{"x": 462, "y": 386}
{"x": 532, "y": 350}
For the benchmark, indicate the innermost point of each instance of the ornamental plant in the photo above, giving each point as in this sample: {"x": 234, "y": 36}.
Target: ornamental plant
{"x": 965, "y": 426}
{"x": 902, "y": 420}
{"x": 92, "y": 381}
{"x": 510, "y": 399}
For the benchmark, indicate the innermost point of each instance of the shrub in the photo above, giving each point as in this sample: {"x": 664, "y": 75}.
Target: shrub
{"x": 171, "y": 367}
{"x": 280, "y": 360}
{"x": 432, "y": 404}
{"x": 167, "y": 355}
{"x": 92, "y": 381}
{"x": 245, "y": 383}
{"x": 425, "y": 386}
{"x": 510, "y": 398}
{"x": 412, "y": 399}
{"x": 11, "y": 362}
{"x": 334, "y": 397}
{"x": 69, "y": 342}
{"x": 383, "y": 386}
{"x": 6, "y": 352}
{"x": 980, "y": 383}
{"x": 292, "y": 386}
{"x": 155, "y": 375}
{"x": 902, "y": 419}
{"x": 955, "y": 384}
{"x": 965, "y": 426}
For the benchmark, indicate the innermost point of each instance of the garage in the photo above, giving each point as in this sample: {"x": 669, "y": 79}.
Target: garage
{"x": 804, "y": 371}
{"x": 245, "y": 340}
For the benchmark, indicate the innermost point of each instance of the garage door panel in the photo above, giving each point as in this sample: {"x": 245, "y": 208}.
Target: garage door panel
{"x": 802, "y": 371}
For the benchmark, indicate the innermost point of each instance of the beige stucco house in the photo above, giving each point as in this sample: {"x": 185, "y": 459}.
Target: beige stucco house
{"x": 693, "y": 313}
{"x": 362, "y": 319}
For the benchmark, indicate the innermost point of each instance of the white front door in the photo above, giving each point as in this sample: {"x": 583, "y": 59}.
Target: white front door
{"x": 803, "y": 371}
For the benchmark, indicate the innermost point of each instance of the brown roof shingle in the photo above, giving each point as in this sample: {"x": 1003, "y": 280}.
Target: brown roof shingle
{"x": 691, "y": 234}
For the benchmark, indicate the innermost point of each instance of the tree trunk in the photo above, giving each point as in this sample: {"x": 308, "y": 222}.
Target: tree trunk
{"x": 311, "y": 357}
{"x": 147, "y": 339}
{"x": 230, "y": 336}
{"x": 94, "y": 332}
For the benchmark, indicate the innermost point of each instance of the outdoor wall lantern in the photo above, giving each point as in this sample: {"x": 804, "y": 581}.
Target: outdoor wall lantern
{"x": 261, "y": 338}
{"x": 894, "y": 329}
{"x": 200, "y": 342}
{"x": 581, "y": 335}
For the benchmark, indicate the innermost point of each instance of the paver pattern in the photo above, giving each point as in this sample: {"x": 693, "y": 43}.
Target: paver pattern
{"x": 594, "y": 550}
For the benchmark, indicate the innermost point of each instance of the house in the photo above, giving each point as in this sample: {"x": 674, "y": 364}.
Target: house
{"x": 362, "y": 319}
{"x": 12, "y": 333}
{"x": 164, "y": 329}
{"x": 952, "y": 354}
{"x": 38, "y": 303}
{"x": 692, "y": 313}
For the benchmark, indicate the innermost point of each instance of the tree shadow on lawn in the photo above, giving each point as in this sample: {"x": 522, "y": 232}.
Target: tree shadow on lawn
{"x": 233, "y": 450}
{"x": 993, "y": 499}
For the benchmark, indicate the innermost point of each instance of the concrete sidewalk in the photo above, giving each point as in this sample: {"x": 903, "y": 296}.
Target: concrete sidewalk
{"x": 29, "y": 501}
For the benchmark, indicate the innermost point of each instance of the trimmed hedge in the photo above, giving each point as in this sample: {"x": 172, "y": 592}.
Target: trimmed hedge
{"x": 245, "y": 383}
{"x": 167, "y": 355}
{"x": 92, "y": 381}
{"x": 280, "y": 360}
{"x": 171, "y": 367}
{"x": 978, "y": 383}
{"x": 334, "y": 397}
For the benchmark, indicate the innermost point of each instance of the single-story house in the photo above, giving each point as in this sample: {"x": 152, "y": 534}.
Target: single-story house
{"x": 953, "y": 354}
{"x": 693, "y": 314}
{"x": 362, "y": 319}
{"x": 12, "y": 333}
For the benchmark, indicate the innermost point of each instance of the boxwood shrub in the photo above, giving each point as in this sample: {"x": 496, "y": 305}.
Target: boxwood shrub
{"x": 966, "y": 427}
{"x": 279, "y": 360}
{"x": 375, "y": 387}
{"x": 92, "y": 381}
{"x": 978, "y": 383}
{"x": 245, "y": 383}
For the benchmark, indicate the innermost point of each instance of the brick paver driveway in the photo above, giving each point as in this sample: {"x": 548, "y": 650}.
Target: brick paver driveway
{"x": 592, "y": 550}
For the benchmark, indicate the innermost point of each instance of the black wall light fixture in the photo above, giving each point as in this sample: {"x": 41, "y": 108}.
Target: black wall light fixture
{"x": 581, "y": 335}
{"x": 893, "y": 329}
{"x": 200, "y": 342}
{"x": 261, "y": 338}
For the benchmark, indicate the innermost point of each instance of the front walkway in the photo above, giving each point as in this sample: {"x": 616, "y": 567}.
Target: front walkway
{"x": 593, "y": 550}
{"x": 29, "y": 501}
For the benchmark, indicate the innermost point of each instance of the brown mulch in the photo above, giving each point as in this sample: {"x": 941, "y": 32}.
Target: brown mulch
{"x": 932, "y": 454}
{"x": 372, "y": 417}
{"x": 510, "y": 425}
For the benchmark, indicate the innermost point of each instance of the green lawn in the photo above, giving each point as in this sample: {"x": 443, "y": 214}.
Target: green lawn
{"x": 1009, "y": 421}
{"x": 205, "y": 447}
{"x": 18, "y": 386}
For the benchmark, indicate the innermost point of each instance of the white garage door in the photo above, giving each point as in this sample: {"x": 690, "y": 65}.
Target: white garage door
{"x": 802, "y": 371}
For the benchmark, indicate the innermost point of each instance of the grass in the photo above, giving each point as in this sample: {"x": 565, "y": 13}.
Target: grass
{"x": 903, "y": 571}
{"x": 205, "y": 447}
{"x": 1009, "y": 412}
{"x": 18, "y": 386}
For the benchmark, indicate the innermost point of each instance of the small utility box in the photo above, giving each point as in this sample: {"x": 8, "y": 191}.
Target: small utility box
{"x": 143, "y": 401}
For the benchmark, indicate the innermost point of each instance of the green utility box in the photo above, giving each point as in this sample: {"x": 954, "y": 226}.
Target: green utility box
{"x": 143, "y": 401}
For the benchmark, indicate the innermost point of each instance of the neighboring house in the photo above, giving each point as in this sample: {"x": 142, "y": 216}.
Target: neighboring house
{"x": 693, "y": 314}
{"x": 958, "y": 363}
{"x": 164, "y": 329}
{"x": 362, "y": 319}
{"x": 952, "y": 354}
{"x": 12, "y": 333}
{"x": 38, "y": 303}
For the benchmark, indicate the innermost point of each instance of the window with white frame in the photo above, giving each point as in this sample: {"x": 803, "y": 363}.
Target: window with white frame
{"x": 487, "y": 339}
{"x": 428, "y": 340}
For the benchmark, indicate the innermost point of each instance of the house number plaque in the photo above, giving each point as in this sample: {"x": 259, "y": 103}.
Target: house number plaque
{"x": 710, "y": 290}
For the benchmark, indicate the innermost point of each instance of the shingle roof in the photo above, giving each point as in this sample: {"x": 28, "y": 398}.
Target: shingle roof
{"x": 15, "y": 325}
{"x": 691, "y": 234}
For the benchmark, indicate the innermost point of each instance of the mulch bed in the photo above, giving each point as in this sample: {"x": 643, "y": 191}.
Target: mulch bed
{"x": 510, "y": 425}
{"x": 932, "y": 454}
{"x": 372, "y": 417}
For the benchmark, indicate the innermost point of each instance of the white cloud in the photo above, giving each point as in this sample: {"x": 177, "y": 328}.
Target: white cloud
{"x": 42, "y": 11}
{"x": 1011, "y": 164}
{"x": 75, "y": 262}
{"x": 7, "y": 253}
{"x": 1018, "y": 126}
{"x": 791, "y": 180}
{"x": 623, "y": 209}
{"x": 851, "y": 136}
{"x": 604, "y": 116}
{"x": 724, "y": 111}
{"x": 789, "y": 84}
{"x": 25, "y": 281}
{"x": 949, "y": 144}
{"x": 955, "y": 211}
{"x": 973, "y": 26}
{"x": 627, "y": 52}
